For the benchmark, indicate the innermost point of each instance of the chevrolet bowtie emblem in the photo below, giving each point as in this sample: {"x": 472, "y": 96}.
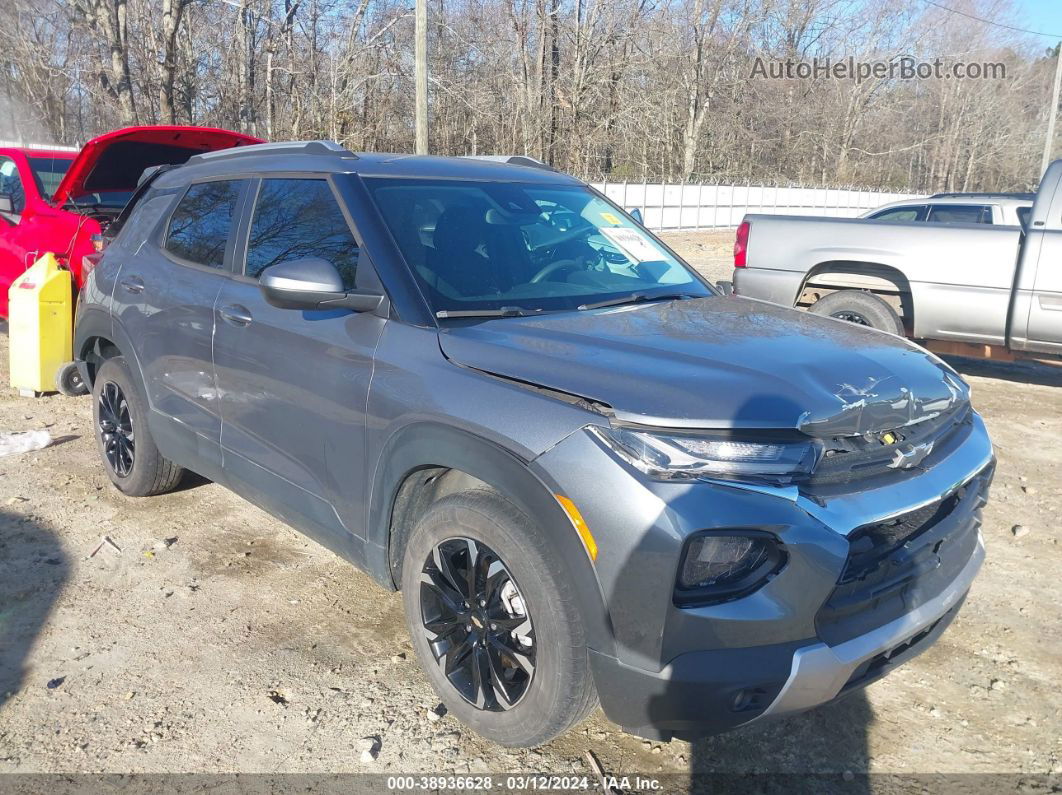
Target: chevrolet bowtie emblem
{"x": 910, "y": 455}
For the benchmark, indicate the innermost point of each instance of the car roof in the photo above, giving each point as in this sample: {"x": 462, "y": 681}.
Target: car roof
{"x": 329, "y": 158}
{"x": 59, "y": 154}
{"x": 968, "y": 198}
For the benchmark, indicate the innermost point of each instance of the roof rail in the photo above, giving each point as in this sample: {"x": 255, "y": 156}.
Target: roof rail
{"x": 514, "y": 160}
{"x": 986, "y": 195}
{"x": 278, "y": 148}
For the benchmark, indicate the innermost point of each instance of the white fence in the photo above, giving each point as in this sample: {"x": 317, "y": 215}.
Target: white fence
{"x": 708, "y": 206}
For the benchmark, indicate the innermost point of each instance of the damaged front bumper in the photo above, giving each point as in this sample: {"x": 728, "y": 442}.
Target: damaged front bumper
{"x": 821, "y": 672}
{"x": 819, "y": 628}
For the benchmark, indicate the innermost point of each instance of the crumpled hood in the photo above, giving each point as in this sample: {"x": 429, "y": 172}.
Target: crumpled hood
{"x": 719, "y": 362}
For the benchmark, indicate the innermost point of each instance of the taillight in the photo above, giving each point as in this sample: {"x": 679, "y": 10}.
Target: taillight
{"x": 741, "y": 245}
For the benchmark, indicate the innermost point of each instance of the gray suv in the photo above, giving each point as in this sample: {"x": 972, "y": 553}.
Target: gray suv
{"x": 593, "y": 478}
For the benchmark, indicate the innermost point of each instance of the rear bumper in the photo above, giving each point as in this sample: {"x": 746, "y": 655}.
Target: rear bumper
{"x": 702, "y": 693}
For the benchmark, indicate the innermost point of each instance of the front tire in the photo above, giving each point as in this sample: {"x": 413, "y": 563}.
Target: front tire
{"x": 119, "y": 417}
{"x": 861, "y": 308}
{"x": 494, "y": 623}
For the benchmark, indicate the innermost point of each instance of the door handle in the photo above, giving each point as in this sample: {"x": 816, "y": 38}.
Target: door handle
{"x": 1050, "y": 303}
{"x": 134, "y": 284}
{"x": 235, "y": 315}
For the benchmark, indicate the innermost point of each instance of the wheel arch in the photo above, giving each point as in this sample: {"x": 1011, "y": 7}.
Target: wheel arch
{"x": 885, "y": 281}
{"x": 425, "y": 461}
{"x": 96, "y": 339}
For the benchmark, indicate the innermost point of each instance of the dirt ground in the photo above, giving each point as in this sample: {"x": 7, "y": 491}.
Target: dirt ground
{"x": 211, "y": 638}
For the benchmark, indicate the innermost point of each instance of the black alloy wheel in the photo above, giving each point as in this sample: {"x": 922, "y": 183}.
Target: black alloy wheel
{"x": 116, "y": 429}
{"x": 476, "y": 623}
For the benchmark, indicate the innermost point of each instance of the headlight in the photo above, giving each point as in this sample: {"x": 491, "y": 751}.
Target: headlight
{"x": 726, "y": 564}
{"x": 666, "y": 456}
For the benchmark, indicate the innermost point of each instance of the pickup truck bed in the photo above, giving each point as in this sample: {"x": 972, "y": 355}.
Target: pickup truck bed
{"x": 959, "y": 275}
{"x": 976, "y": 289}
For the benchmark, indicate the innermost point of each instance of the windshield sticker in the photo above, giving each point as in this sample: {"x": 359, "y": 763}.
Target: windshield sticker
{"x": 611, "y": 219}
{"x": 632, "y": 243}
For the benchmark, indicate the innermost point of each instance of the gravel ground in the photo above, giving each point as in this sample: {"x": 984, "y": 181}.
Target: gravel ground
{"x": 211, "y": 638}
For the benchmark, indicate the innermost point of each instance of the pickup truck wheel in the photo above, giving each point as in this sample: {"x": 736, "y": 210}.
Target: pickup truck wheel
{"x": 862, "y": 308}
{"x": 133, "y": 462}
{"x": 494, "y": 624}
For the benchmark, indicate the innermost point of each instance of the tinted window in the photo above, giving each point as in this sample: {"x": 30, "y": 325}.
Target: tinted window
{"x": 899, "y": 214}
{"x": 298, "y": 219}
{"x": 11, "y": 184}
{"x": 1023, "y": 215}
{"x": 960, "y": 214}
{"x": 200, "y": 226}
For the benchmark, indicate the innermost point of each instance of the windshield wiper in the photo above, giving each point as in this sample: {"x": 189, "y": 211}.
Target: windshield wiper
{"x": 635, "y": 298}
{"x": 505, "y": 311}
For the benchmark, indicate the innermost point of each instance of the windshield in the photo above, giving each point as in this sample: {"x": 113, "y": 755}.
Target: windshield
{"x": 48, "y": 172}
{"x": 494, "y": 245}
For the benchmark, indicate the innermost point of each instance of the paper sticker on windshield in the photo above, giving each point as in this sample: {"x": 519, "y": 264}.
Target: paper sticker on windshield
{"x": 632, "y": 243}
{"x": 610, "y": 219}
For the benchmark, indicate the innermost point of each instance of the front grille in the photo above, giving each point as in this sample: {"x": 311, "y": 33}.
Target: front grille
{"x": 898, "y": 564}
{"x": 848, "y": 458}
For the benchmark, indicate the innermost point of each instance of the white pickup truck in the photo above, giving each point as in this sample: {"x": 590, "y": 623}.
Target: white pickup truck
{"x": 968, "y": 289}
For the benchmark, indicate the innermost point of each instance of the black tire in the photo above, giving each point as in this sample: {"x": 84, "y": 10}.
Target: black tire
{"x": 560, "y": 691}
{"x": 119, "y": 419}
{"x": 859, "y": 307}
{"x": 68, "y": 381}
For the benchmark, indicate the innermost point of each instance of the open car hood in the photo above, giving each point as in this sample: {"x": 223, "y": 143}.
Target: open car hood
{"x": 114, "y": 161}
{"x": 721, "y": 362}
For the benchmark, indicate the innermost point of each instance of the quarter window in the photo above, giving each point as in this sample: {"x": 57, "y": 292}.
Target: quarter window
{"x": 200, "y": 226}
{"x": 299, "y": 219}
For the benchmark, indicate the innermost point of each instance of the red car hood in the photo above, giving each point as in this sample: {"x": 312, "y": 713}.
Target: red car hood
{"x": 115, "y": 160}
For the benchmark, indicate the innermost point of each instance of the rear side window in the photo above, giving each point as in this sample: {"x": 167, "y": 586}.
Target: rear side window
{"x": 960, "y": 214}
{"x": 200, "y": 226}
{"x": 298, "y": 219}
{"x": 915, "y": 213}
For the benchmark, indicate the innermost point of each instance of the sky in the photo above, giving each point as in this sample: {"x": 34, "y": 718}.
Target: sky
{"x": 1041, "y": 15}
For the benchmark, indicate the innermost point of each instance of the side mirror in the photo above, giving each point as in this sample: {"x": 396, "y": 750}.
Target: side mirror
{"x": 725, "y": 287}
{"x": 313, "y": 284}
{"x": 636, "y": 214}
{"x": 7, "y": 203}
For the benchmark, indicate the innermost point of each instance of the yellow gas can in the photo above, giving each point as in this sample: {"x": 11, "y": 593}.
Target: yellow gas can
{"x": 40, "y": 325}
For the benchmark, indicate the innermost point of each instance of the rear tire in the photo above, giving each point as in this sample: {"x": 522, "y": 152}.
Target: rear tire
{"x": 546, "y": 637}
{"x": 119, "y": 418}
{"x": 862, "y": 308}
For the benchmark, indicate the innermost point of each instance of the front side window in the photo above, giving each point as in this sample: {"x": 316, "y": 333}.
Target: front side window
{"x": 199, "y": 228}
{"x": 899, "y": 214}
{"x": 300, "y": 219}
{"x": 494, "y": 245}
{"x": 11, "y": 185}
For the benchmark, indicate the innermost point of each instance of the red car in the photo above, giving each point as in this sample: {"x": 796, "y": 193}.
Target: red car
{"x": 57, "y": 201}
